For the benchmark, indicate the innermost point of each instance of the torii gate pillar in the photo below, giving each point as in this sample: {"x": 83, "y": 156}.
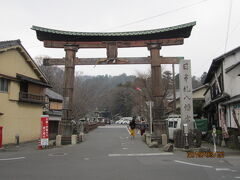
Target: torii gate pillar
{"x": 65, "y": 126}
{"x": 159, "y": 126}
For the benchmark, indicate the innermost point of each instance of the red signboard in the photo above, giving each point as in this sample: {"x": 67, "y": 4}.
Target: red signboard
{"x": 44, "y": 130}
{"x": 1, "y": 128}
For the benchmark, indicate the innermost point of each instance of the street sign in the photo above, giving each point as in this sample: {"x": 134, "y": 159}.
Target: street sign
{"x": 44, "y": 130}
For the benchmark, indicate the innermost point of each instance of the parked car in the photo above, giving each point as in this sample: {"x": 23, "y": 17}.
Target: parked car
{"x": 174, "y": 122}
{"x": 119, "y": 122}
{"x": 125, "y": 122}
{"x": 127, "y": 118}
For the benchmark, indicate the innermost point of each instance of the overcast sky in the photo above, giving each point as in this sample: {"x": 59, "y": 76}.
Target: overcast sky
{"x": 207, "y": 41}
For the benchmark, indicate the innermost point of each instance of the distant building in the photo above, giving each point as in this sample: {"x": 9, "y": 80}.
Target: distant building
{"x": 198, "y": 100}
{"x": 22, "y": 93}
{"x": 223, "y": 94}
{"x": 53, "y": 108}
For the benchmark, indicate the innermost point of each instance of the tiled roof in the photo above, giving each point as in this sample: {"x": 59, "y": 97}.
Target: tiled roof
{"x": 180, "y": 31}
{"x": 217, "y": 62}
{"x": 6, "y": 44}
{"x": 53, "y": 95}
{"x": 12, "y": 44}
{"x": 130, "y": 33}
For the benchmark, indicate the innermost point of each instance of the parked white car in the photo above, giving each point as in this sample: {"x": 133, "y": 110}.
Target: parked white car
{"x": 127, "y": 118}
{"x": 118, "y": 122}
{"x": 174, "y": 122}
{"x": 125, "y": 121}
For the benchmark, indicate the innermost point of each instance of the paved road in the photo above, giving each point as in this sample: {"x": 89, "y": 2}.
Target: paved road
{"x": 109, "y": 154}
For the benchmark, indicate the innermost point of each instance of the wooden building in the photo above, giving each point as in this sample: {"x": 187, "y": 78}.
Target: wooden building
{"x": 53, "y": 108}
{"x": 22, "y": 89}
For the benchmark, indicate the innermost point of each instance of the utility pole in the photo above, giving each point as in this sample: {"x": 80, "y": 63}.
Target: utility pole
{"x": 174, "y": 89}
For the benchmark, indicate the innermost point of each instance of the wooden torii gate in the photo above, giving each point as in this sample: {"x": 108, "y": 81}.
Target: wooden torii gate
{"x": 72, "y": 41}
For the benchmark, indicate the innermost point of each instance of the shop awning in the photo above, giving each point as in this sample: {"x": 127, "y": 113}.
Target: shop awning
{"x": 223, "y": 97}
{"x": 234, "y": 99}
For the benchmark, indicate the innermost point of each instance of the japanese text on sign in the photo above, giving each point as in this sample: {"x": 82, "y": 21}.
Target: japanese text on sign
{"x": 186, "y": 93}
{"x": 44, "y": 130}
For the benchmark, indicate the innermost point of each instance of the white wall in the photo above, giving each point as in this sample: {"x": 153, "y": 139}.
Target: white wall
{"x": 231, "y": 79}
{"x": 208, "y": 97}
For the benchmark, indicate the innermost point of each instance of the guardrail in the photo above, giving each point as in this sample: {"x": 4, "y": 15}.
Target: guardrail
{"x": 90, "y": 126}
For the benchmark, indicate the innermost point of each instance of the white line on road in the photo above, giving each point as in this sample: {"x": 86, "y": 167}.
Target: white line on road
{"x": 192, "y": 164}
{"x": 110, "y": 127}
{"x": 9, "y": 159}
{"x": 225, "y": 169}
{"x": 58, "y": 154}
{"x": 139, "y": 154}
{"x": 237, "y": 177}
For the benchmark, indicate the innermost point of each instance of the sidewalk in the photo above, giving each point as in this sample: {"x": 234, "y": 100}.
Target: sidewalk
{"x": 227, "y": 151}
{"x": 26, "y": 146}
{"x": 231, "y": 156}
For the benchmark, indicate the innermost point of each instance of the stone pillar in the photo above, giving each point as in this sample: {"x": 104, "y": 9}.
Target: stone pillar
{"x": 65, "y": 126}
{"x": 58, "y": 140}
{"x": 159, "y": 126}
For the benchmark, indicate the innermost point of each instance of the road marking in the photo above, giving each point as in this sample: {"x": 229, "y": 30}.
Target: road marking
{"x": 237, "y": 177}
{"x": 225, "y": 169}
{"x": 86, "y": 159}
{"x": 58, "y": 154}
{"x": 9, "y": 159}
{"x": 192, "y": 164}
{"x": 124, "y": 148}
{"x": 140, "y": 154}
{"x": 109, "y": 127}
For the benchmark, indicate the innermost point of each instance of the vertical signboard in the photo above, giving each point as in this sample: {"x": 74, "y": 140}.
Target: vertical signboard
{"x": 150, "y": 105}
{"x": 186, "y": 101}
{"x": 1, "y": 136}
{"x": 235, "y": 115}
{"x": 44, "y": 130}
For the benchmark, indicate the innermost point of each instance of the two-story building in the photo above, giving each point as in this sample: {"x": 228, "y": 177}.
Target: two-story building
{"x": 22, "y": 93}
{"x": 222, "y": 97}
{"x": 53, "y": 108}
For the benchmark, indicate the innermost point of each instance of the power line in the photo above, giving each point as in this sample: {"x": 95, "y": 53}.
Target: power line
{"x": 158, "y": 15}
{"x": 235, "y": 28}
{"x": 228, "y": 24}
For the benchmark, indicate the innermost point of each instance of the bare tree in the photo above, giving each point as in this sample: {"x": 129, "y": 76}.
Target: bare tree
{"x": 55, "y": 75}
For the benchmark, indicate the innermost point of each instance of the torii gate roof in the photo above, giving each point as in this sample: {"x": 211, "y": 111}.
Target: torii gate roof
{"x": 179, "y": 31}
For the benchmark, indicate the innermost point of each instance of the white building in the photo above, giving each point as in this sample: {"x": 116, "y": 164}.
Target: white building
{"x": 223, "y": 94}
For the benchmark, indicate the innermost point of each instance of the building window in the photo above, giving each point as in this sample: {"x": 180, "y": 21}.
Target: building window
{"x": 24, "y": 86}
{"x": 3, "y": 85}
